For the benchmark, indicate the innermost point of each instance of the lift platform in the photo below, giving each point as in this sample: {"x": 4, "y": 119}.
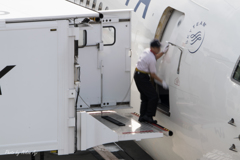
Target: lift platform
{"x": 96, "y": 130}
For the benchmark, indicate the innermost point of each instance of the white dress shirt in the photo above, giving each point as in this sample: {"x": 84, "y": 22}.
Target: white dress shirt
{"x": 147, "y": 62}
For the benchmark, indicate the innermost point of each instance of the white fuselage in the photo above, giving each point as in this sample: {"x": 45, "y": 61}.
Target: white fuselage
{"x": 203, "y": 98}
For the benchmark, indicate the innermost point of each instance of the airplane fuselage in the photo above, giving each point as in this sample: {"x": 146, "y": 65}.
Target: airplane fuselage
{"x": 203, "y": 96}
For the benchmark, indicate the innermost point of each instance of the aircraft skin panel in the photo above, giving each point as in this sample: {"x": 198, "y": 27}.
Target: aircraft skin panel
{"x": 204, "y": 99}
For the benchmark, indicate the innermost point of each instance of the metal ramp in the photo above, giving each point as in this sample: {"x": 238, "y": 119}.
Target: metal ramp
{"x": 96, "y": 130}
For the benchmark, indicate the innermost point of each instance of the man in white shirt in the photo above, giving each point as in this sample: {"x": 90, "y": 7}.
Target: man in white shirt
{"x": 146, "y": 66}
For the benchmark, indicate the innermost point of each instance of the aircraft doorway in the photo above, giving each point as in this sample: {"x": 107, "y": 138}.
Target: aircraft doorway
{"x": 167, "y": 30}
{"x": 163, "y": 104}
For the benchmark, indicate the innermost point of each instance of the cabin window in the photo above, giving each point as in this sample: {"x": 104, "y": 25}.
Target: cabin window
{"x": 109, "y": 35}
{"x": 82, "y": 42}
{"x": 236, "y": 73}
{"x": 87, "y": 3}
{"x": 100, "y": 6}
{"x": 94, "y": 4}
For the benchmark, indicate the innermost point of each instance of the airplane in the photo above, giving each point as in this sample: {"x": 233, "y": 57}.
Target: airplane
{"x": 202, "y": 69}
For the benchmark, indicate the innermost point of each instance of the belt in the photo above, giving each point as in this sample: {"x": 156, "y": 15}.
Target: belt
{"x": 137, "y": 70}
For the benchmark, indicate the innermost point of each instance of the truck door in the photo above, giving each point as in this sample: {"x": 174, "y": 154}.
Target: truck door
{"x": 104, "y": 60}
{"x": 115, "y": 59}
{"x": 90, "y": 39}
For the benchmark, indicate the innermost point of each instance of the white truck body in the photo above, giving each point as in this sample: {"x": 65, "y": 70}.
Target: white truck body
{"x": 40, "y": 78}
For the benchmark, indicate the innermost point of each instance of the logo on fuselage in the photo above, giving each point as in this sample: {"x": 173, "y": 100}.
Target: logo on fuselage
{"x": 196, "y": 37}
{"x": 4, "y": 72}
{"x": 145, "y": 2}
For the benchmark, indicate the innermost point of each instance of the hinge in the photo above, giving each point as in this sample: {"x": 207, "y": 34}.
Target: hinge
{"x": 72, "y": 93}
{"x": 100, "y": 46}
{"x": 71, "y": 122}
{"x": 74, "y": 32}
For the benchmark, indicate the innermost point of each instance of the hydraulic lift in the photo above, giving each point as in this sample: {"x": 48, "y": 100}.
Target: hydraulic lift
{"x": 72, "y": 70}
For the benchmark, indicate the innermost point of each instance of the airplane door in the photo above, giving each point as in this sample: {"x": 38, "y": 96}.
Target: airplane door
{"x": 167, "y": 66}
{"x": 115, "y": 60}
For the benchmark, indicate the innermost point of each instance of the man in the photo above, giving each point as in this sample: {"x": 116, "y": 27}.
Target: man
{"x": 146, "y": 66}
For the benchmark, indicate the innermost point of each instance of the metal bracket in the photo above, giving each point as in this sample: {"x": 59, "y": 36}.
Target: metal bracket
{"x": 130, "y": 53}
{"x": 74, "y": 32}
{"x": 71, "y": 122}
{"x": 77, "y": 65}
{"x": 72, "y": 93}
{"x": 238, "y": 138}
{"x": 100, "y": 46}
{"x": 85, "y": 26}
{"x": 180, "y": 59}
{"x": 233, "y": 148}
{"x": 232, "y": 122}
{"x": 77, "y": 83}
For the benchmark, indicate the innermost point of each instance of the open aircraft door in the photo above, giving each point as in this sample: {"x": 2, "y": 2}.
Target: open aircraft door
{"x": 105, "y": 63}
{"x": 169, "y": 66}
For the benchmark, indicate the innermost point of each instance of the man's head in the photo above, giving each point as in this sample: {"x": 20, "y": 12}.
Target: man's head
{"x": 155, "y": 46}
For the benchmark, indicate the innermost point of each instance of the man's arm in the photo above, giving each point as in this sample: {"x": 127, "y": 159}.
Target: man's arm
{"x": 159, "y": 55}
{"x": 153, "y": 75}
{"x": 163, "y": 83}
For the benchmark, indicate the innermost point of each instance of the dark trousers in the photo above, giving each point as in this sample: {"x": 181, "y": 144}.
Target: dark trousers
{"x": 148, "y": 93}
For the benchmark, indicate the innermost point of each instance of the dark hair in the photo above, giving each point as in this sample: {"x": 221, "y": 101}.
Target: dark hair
{"x": 155, "y": 43}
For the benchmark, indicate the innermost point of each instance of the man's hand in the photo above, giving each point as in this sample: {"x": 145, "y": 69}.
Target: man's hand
{"x": 159, "y": 81}
{"x": 164, "y": 84}
{"x": 166, "y": 49}
{"x": 159, "y": 55}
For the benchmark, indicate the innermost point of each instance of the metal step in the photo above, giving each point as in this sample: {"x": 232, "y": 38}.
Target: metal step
{"x": 97, "y": 130}
{"x": 133, "y": 130}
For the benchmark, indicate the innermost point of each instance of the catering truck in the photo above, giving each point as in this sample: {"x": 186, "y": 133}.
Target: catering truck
{"x": 64, "y": 70}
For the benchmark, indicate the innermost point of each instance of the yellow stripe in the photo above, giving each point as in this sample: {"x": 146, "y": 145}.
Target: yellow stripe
{"x": 141, "y": 71}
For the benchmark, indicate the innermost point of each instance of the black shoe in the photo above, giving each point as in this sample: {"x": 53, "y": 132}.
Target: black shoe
{"x": 140, "y": 119}
{"x": 149, "y": 119}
